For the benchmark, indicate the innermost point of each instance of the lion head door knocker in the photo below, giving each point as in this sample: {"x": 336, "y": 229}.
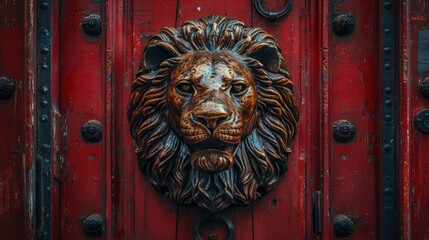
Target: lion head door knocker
{"x": 212, "y": 111}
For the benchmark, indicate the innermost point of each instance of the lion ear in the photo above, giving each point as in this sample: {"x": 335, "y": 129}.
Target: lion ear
{"x": 268, "y": 55}
{"x": 154, "y": 55}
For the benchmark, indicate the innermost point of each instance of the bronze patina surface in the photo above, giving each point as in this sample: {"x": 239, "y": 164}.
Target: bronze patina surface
{"x": 212, "y": 112}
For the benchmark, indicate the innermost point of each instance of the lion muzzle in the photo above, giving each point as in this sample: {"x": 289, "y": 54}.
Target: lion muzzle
{"x": 211, "y": 114}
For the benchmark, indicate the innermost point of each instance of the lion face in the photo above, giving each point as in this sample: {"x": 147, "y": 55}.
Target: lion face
{"x": 212, "y": 99}
{"x": 212, "y": 112}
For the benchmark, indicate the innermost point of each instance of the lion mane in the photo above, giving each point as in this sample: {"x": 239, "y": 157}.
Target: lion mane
{"x": 261, "y": 156}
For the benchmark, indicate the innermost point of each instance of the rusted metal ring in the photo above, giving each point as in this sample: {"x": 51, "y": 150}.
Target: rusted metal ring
{"x": 272, "y": 16}
{"x": 7, "y": 88}
{"x": 214, "y": 218}
{"x": 344, "y": 226}
{"x": 92, "y": 226}
{"x": 344, "y": 131}
{"x": 91, "y": 24}
{"x": 92, "y": 131}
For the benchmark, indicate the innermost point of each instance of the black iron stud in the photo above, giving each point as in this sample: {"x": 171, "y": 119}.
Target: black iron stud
{"x": 343, "y": 225}
{"x": 91, "y": 24}
{"x": 7, "y": 87}
{"x": 44, "y": 5}
{"x": 92, "y": 131}
{"x": 344, "y": 131}
{"x": 92, "y": 226}
{"x": 343, "y": 24}
{"x": 422, "y": 121}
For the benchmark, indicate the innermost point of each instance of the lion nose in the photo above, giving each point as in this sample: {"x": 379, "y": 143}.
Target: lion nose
{"x": 211, "y": 114}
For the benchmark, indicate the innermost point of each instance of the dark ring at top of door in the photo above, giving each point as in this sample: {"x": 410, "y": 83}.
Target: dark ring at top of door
{"x": 272, "y": 16}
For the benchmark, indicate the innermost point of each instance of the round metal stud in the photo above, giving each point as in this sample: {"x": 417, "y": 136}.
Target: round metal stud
{"x": 91, "y": 24}
{"x": 44, "y": 5}
{"x": 387, "y": 210}
{"x": 387, "y": 50}
{"x": 388, "y": 103}
{"x": 388, "y": 90}
{"x": 92, "y": 131}
{"x": 387, "y": 148}
{"x": 422, "y": 121}
{"x": 388, "y": 5}
{"x": 44, "y": 118}
{"x": 388, "y": 191}
{"x": 388, "y": 118}
{"x": 344, "y": 131}
{"x": 44, "y": 50}
{"x": 424, "y": 88}
{"x": 44, "y": 90}
{"x": 92, "y": 226}
{"x": 344, "y": 226}
{"x": 45, "y": 31}
{"x": 387, "y": 66}
{"x": 7, "y": 87}
{"x": 343, "y": 24}
{"x": 44, "y": 103}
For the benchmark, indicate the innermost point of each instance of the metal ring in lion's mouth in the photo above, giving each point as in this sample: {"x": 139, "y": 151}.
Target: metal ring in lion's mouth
{"x": 214, "y": 218}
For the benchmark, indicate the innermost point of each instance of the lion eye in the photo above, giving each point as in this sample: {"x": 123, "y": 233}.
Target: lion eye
{"x": 185, "y": 88}
{"x": 238, "y": 88}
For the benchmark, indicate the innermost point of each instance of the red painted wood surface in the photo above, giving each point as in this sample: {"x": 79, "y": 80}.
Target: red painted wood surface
{"x": 414, "y": 174}
{"x": 16, "y": 113}
{"x": 153, "y": 213}
{"x": 283, "y": 214}
{"x": 353, "y": 96}
{"x": 82, "y": 98}
{"x": 12, "y": 193}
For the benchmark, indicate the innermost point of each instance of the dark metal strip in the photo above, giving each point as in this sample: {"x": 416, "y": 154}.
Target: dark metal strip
{"x": 388, "y": 120}
{"x": 43, "y": 119}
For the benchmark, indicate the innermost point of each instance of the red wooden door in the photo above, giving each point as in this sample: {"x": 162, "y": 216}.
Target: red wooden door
{"x": 103, "y": 177}
{"x": 356, "y": 171}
